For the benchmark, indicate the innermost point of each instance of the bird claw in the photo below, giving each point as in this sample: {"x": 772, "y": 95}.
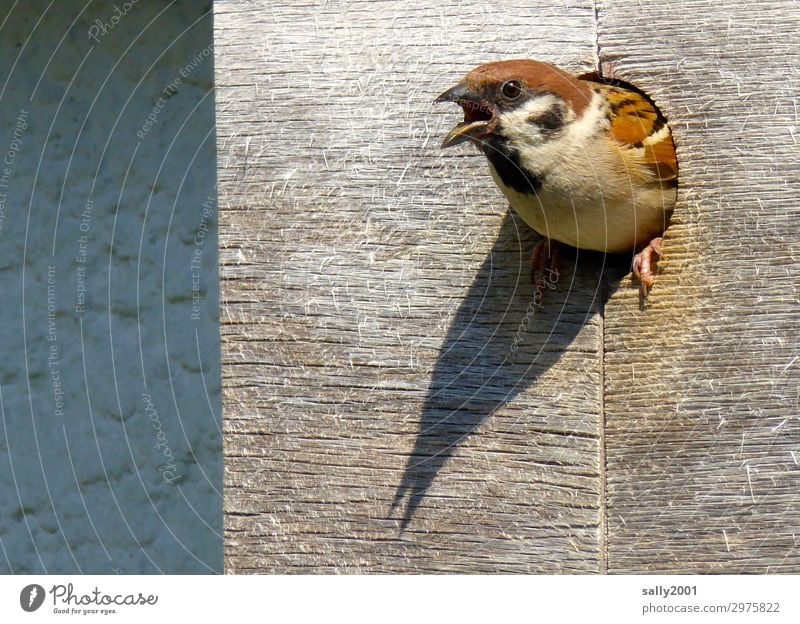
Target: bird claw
{"x": 643, "y": 265}
{"x": 544, "y": 265}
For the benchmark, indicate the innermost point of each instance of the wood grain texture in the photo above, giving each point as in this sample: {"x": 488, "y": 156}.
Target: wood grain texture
{"x": 703, "y": 439}
{"x": 377, "y": 335}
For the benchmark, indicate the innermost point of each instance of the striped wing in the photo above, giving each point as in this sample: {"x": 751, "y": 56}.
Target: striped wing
{"x": 637, "y": 124}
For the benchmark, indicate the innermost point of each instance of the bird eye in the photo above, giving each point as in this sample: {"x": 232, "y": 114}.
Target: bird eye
{"x": 511, "y": 90}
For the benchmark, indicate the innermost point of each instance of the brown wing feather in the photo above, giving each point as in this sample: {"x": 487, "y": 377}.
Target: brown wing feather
{"x": 633, "y": 120}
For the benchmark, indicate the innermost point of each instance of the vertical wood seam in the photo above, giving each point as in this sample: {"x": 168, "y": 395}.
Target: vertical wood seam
{"x": 597, "y": 57}
{"x": 603, "y": 468}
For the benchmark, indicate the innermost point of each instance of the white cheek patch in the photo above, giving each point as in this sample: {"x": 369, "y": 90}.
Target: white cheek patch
{"x": 516, "y": 124}
{"x": 591, "y": 120}
{"x": 538, "y": 149}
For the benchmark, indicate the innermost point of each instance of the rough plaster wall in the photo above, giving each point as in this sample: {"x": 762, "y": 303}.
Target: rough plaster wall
{"x": 85, "y": 486}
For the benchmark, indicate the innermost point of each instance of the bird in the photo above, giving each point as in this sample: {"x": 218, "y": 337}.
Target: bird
{"x": 584, "y": 160}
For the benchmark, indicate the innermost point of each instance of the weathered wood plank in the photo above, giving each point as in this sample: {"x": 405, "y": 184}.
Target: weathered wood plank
{"x": 703, "y": 439}
{"x": 373, "y": 290}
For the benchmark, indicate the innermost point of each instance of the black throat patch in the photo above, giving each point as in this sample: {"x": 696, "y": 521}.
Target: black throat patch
{"x": 505, "y": 160}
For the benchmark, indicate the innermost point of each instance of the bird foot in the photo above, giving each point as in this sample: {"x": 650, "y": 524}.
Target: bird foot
{"x": 643, "y": 265}
{"x": 544, "y": 265}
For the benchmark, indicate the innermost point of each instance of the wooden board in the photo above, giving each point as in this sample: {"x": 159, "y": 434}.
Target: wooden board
{"x": 703, "y": 439}
{"x": 376, "y": 325}
{"x": 372, "y": 290}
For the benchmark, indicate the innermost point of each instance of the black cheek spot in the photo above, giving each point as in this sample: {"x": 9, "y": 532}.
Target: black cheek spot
{"x": 505, "y": 160}
{"x": 551, "y": 120}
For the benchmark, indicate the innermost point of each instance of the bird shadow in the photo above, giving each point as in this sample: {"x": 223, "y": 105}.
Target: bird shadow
{"x": 500, "y": 341}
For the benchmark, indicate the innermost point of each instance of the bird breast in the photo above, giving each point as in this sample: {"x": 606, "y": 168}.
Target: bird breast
{"x": 585, "y": 191}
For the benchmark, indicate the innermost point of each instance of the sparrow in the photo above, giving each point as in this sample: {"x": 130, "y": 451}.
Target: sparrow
{"x": 585, "y": 161}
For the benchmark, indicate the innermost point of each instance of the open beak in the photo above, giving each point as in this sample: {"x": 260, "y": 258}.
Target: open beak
{"x": 477, "y": 118}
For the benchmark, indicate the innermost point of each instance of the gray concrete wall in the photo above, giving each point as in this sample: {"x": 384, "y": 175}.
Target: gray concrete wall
{"x": 110, "y": 445}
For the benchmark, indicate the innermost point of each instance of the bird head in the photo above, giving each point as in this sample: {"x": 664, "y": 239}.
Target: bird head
{"x": 499, "y": 96}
